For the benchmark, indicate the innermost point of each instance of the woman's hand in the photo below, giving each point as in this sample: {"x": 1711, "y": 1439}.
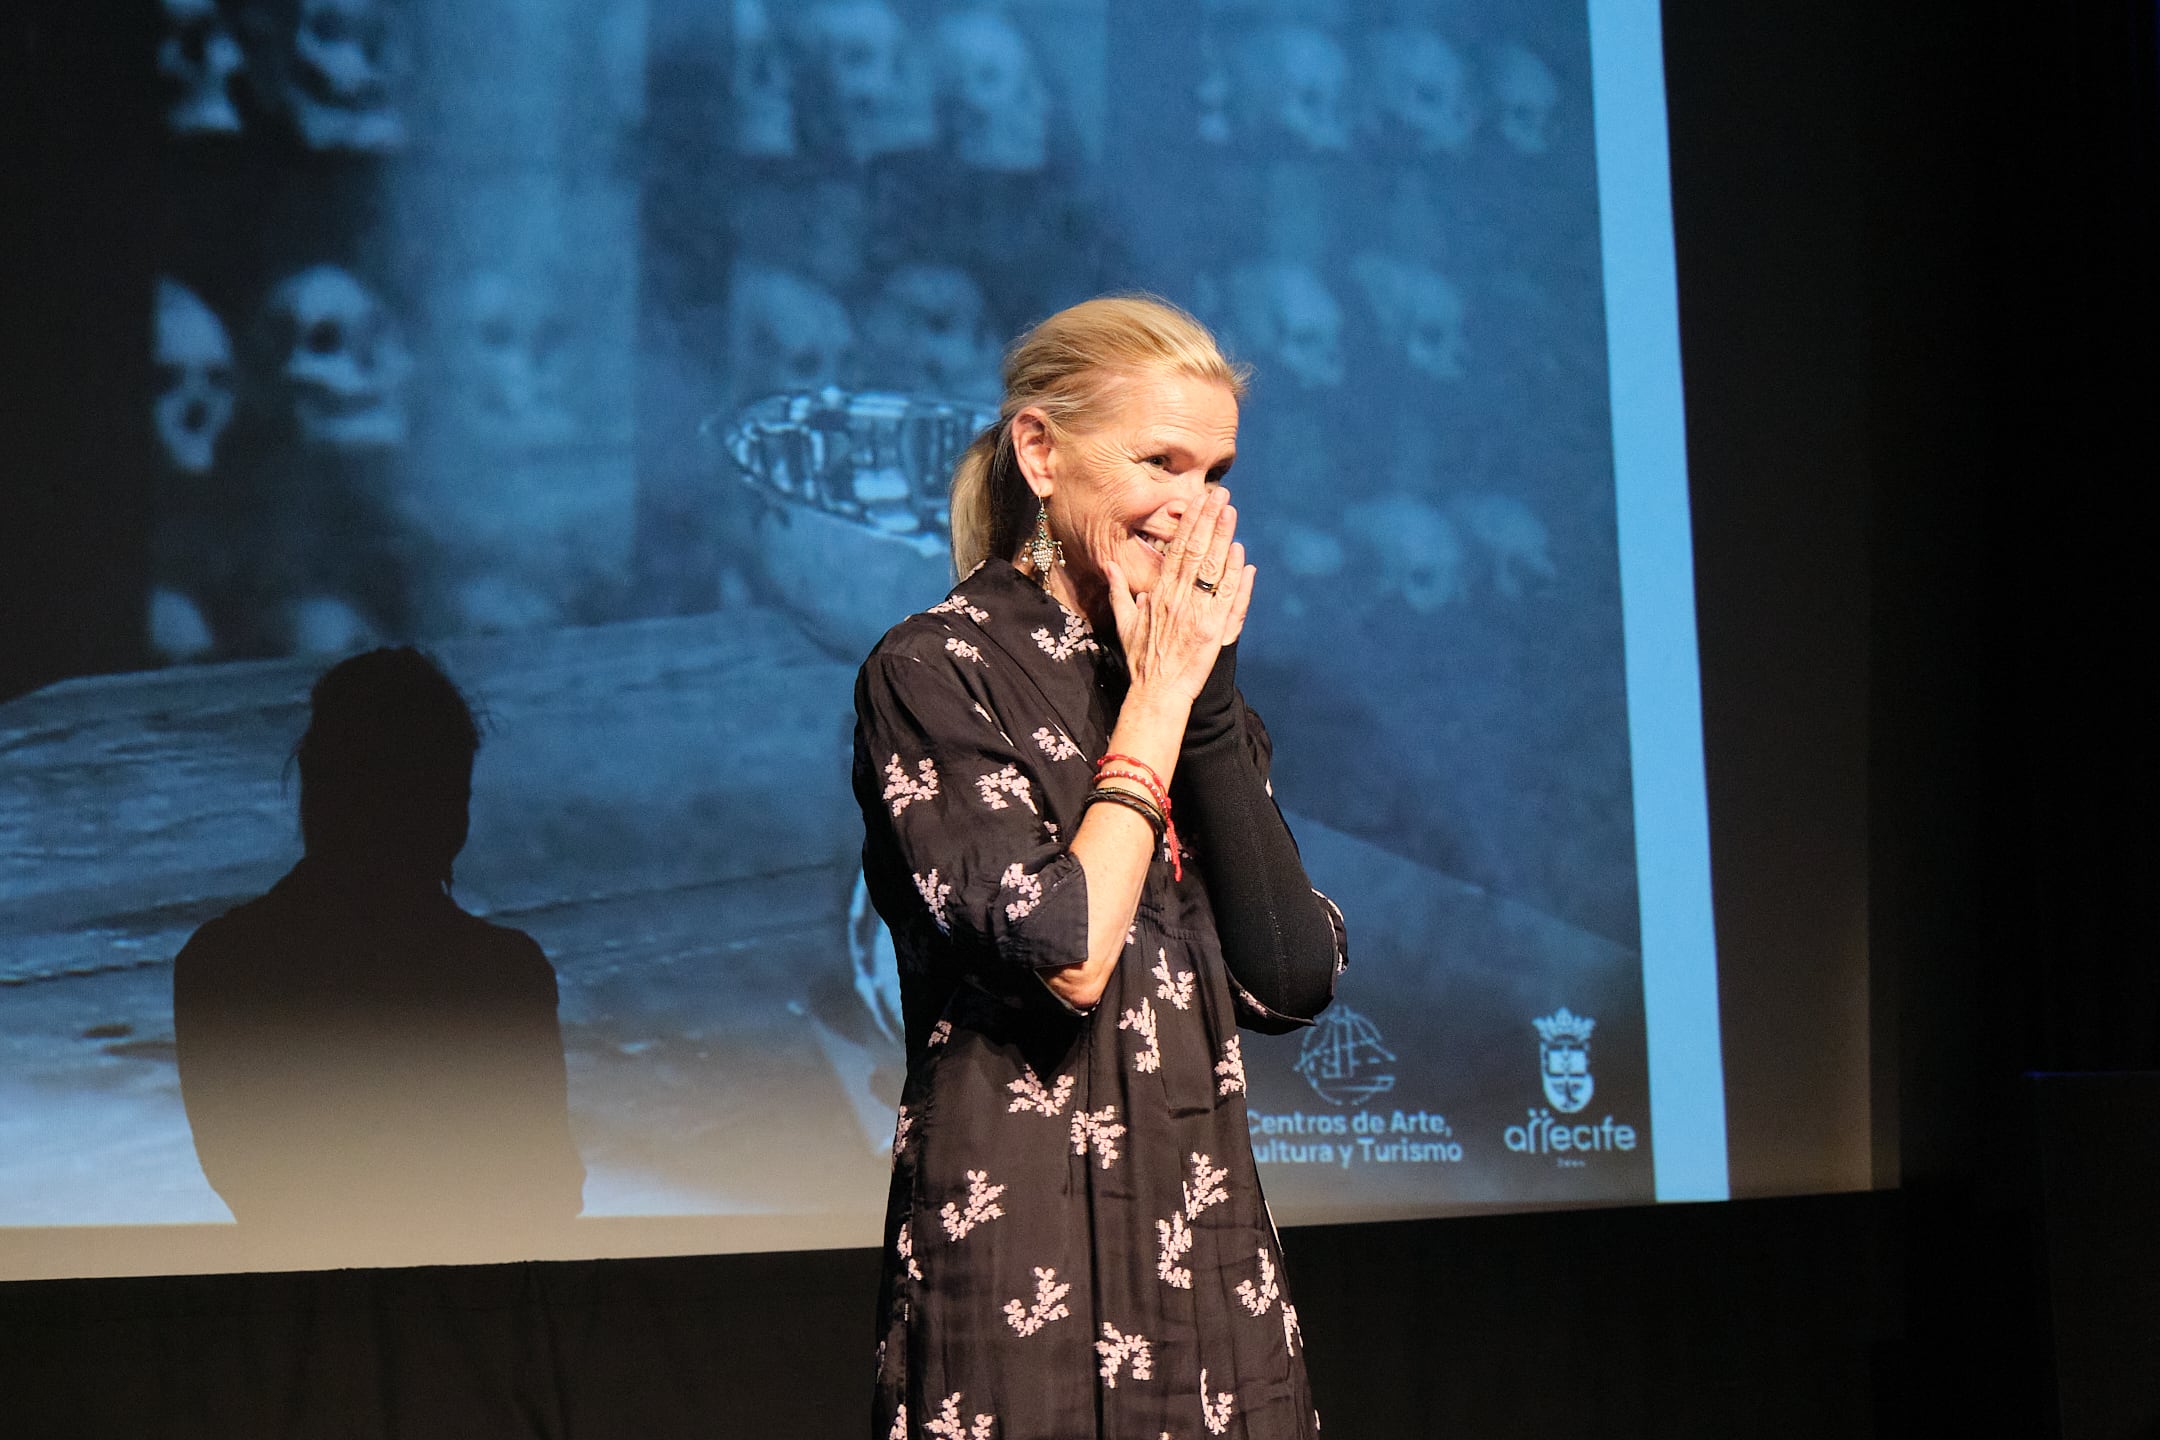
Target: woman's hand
{"x": 1172, "y": 633}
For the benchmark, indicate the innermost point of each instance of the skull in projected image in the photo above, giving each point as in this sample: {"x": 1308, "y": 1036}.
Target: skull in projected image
{"x": 1212, "y": 93}
{"x": 784, "y": 333}
{"x": 177, "y": 630}
{"x": 341, "y": 364}
{"x": 763, "y": 90}
{"x": 198, "y": 59}
{"x": 499, "y": 604}
{"x": 1418, "y": 313}
{"x": 1420, "y": 93}
{"x": 927, "y": 332}
{"x": 195, "y": 394}
{"x": 1284, "y": 314}
{"x": 1412, "y": 553}
{"x": 1292, "y": 86}
{"x": 1306, "y": 552}
{"x": 1512, "y": 539}
{"x": 328, "y": 625}
{"x": 994, "y": 100}
{"x": 511, "y": 354}
{"x": 1528, "y": 94}
{"x": 339, "y": 75}
{"x": 1310, "y": 560}
{"x": 830, "y": 242}
{"x": 859, "y": 52}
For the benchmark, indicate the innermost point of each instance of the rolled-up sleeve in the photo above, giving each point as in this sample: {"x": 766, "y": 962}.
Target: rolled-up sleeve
{"x": 964, "y": 809}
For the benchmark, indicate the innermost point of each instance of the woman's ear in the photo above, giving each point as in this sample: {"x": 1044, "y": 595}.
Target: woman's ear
{"x": 1034, "y": 450}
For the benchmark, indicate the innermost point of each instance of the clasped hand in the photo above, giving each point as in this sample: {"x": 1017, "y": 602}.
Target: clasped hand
{"x": 1173, "y": 631}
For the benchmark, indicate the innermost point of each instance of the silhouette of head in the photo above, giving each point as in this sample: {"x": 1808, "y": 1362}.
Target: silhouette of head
{"x": 386, "y": 765}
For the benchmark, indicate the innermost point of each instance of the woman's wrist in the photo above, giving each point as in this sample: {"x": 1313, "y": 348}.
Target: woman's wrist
{"x": 1153, "y": 702}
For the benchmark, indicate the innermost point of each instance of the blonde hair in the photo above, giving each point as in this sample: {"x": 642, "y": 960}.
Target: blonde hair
{"x": 1067, "y": 367}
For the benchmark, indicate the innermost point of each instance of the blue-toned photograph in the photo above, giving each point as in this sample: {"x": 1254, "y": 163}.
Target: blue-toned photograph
{"x": 618, "y": 356}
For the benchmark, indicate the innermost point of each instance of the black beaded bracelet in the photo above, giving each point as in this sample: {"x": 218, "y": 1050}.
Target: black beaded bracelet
{"x": 1143, "y": 808}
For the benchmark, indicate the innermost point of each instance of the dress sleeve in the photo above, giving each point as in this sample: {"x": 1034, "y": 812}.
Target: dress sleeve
{"x": 964, "y": 808}
{"x": 1283, "y": 942}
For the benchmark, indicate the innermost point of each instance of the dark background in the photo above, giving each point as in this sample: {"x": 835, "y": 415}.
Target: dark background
{"x": 1916, "y": 248}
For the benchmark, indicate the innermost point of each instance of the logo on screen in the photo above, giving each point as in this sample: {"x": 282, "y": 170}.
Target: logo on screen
{"x": 1564, "y": 1059}
{"x": 1343, "y": 1059}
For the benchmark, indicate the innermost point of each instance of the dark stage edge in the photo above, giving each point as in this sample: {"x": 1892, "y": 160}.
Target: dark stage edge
{"x": 1767, "y": 1318}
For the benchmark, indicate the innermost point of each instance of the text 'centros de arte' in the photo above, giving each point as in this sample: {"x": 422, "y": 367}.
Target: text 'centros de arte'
{"x": 1405, "y": 1137}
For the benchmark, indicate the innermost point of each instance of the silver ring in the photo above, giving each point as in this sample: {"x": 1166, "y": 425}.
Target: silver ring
{"x": 1204, "y": 585}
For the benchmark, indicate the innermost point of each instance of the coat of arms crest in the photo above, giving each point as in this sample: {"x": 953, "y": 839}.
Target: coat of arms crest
{"x": 1564, "y": 1059}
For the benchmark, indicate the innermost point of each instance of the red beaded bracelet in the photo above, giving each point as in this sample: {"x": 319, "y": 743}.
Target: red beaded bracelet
{"x": 1147, "y": 777}
{"x": 1144, "y": 775}
{"x": 1113, "y": 772}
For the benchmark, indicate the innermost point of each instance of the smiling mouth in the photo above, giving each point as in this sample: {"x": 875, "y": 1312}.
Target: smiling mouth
{"x": 1155, "y": 543}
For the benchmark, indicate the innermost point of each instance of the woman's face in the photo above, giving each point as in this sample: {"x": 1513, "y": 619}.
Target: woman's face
{"x": 1116, "y": 493}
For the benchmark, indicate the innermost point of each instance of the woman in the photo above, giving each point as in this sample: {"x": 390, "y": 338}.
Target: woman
{"x": 1070, "y": 835}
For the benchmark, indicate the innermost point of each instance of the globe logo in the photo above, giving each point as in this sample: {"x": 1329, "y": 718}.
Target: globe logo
{"x": 1344, "y": 1060}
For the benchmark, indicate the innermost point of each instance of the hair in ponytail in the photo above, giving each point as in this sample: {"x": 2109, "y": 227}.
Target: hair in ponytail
{"x": 1066, "y": 367}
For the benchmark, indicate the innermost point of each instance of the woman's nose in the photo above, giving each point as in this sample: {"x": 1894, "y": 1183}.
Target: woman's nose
{"x": 1190, "y": 486}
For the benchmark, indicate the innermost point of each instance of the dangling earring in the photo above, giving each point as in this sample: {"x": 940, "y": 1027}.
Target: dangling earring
{"x": 1042, "y": 551}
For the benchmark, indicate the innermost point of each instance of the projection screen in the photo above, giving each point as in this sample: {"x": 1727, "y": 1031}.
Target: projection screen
{"x": 615, "y": 352}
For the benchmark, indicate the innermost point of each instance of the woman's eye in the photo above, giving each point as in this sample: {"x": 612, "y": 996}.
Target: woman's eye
{"x": 1160, "y": 462}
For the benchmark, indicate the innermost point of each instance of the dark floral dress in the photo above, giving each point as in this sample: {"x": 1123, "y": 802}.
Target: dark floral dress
{"x": 1076, "y": 1243}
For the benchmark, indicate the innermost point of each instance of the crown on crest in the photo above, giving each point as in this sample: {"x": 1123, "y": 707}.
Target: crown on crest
{"x": 1563, "y": 1024}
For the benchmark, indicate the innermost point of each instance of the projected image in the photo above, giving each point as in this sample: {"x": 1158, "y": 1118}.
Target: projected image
{"x": 618, "y": 356}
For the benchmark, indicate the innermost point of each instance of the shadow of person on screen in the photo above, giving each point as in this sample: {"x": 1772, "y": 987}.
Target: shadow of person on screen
{"x": 371, "y": 1074}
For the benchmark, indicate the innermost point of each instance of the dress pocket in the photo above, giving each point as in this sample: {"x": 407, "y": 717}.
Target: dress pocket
{"x": 1168, "y": 1014}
